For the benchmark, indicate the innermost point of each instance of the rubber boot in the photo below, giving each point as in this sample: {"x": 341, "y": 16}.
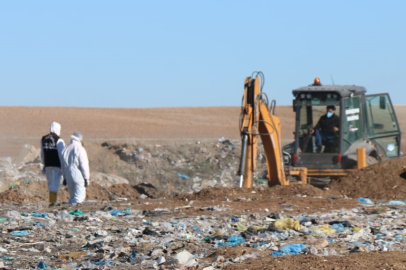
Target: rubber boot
{"x": 52, "y": 198}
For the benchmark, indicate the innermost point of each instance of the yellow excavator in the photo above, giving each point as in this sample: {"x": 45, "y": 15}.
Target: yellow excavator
{"x": 368, "y": 132}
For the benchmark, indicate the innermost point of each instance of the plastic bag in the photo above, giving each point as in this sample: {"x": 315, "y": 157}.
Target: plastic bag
{"x": 287, "y": 224}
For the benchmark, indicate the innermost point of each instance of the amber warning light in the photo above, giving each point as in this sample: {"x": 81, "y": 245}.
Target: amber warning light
{"x": 316, "y": 81}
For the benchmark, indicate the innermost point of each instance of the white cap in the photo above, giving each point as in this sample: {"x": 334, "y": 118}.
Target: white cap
{"x": 55, "y": 128}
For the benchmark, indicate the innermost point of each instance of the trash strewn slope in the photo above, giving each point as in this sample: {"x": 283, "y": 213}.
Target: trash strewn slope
{"x": 204, "y": 222}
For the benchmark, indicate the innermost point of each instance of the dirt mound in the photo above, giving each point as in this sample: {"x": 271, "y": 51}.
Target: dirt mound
{"x": 36, "y": 192}
{"x": 124, "y": 190}
{"x": 149, "y": 190}
{"x": 381, "y": 181}
{"x": 263, "y": 192}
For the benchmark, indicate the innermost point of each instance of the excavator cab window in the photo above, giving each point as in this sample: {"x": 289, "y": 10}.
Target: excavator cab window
{"x": 309, "y": 111}
{"x": 324, "y": 141}
{"x": 381, "y": 124}
{"x": 305, "y": 125}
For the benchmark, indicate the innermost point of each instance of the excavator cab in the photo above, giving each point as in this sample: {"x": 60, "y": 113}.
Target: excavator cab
{"x": 360, "y": 121}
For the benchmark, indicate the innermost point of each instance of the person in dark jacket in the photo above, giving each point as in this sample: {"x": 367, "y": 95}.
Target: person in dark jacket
{"x": 51, "y": 150}
{"x": 326, "y": 130}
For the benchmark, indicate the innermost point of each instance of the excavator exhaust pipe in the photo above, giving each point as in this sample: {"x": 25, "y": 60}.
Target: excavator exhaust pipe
{"x": 243, "y": 159}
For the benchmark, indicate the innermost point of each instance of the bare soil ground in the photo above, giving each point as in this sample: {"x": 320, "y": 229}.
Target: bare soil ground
{"x": 385, "y": 181}
{"x": 22, "y": 125}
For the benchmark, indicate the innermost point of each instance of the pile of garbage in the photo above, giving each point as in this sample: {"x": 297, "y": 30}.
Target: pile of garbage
{"x": 122, "y": 235}
{"x": 192, "y": 167}
{"x": 11, "y": 173}
{"x": 182, "y": 168}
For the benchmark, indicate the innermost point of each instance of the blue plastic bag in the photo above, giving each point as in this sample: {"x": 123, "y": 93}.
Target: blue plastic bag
{"x": 183, "y": 176}
{"x": 35, "y": 214}
{"x": 365, "y": 200}
{"x": 289, "y": 249}
{"x": 395, "y": 202}
{"x": 338, "y": 227}
{"x": 20, "y": 233}
{"x": 292, "y": 248}
{"x": 42, "y": 265}
{"x": 119, "y": 213}
{"x": 197, "y": 229}
{"x": 277, "y": 253}
{"x": 233, "y": 240}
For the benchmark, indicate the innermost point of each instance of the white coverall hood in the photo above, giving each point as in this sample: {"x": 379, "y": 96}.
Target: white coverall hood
{"x": 55, "y": 128}
{"x": 77, "y": 136}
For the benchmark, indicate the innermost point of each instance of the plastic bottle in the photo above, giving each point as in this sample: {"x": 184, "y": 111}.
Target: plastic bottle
{"x": 65, "y": 216}
{"x": 13, "y": 215}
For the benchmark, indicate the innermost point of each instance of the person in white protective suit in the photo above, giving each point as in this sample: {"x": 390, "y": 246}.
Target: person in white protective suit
{"x": 76, "y": 169}
{"x": 51, "y": 150}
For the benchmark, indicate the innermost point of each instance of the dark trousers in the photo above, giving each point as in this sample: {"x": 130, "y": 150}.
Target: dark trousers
{"x": 323, "y": 138}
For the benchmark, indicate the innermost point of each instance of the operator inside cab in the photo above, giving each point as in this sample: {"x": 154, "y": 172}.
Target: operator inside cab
{"x": 326, "y": 131}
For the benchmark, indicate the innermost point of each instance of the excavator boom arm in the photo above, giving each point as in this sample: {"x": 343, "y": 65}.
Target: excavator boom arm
{"x": 257, "y": 120}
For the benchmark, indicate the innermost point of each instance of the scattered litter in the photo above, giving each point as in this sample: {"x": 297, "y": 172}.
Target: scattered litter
{"x": 20, "y": 233}
{"x": 287, "y": 224}
{"x": 292, "y": 249}
{"x": 233, "y": 240}
{"x": 35, "y": 214}
{"x": 133, "y": 230}
{"x": 183, "y": 176}
{"x": 115, "y": 213}
{"x": 76, "y": 213}
{"x": 42, "y": 265}
{"x": 365, "y": 200}
{"x": 395, "y": 202}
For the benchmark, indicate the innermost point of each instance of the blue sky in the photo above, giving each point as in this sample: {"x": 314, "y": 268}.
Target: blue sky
{"x": 194, "y": 53}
